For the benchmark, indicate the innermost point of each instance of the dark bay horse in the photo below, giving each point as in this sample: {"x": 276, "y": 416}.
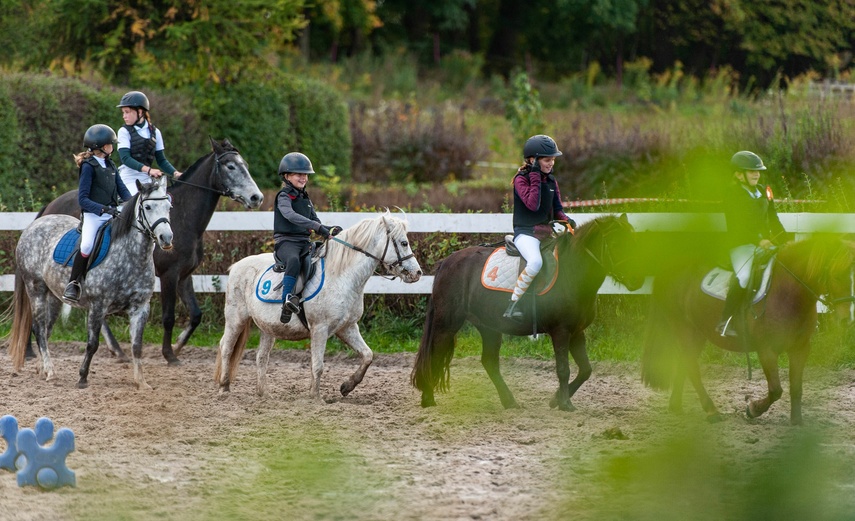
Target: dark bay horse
{"x": 683, "y": 318}
{"x": 122, "y": 282}
{"x": 223, "y": 172}
{"x": 600, "y": 247}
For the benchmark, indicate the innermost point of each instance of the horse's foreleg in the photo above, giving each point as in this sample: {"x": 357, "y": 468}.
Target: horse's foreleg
{"x": 491, "y": 343}
{"x": 769, "y": 363}
{"x": 188, "y": 297}
{"x": 351, "y": 336}
{"x": 319, "y": 347}
{"x": 262, "y": 357}
{"x": 675, "y": 404}
{"x": 93, "y": 334}
{"x": 798, "y": 358}
{"x": 138, "y": 319}
{"x": 167, "y": 302}
{"x": 113, "y": 344}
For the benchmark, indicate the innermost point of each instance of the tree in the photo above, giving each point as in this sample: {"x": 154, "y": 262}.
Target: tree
{"x": 172, "y": 42}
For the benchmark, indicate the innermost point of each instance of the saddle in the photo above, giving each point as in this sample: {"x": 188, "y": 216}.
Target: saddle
{"x": 309, "y": 281}
{"x": 717, "y": 281}
{"x": 69, "y": 245}
{"x": 504, "y": 265}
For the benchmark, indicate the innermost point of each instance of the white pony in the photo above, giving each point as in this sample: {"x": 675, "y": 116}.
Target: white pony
{"x": 334, "y": 307}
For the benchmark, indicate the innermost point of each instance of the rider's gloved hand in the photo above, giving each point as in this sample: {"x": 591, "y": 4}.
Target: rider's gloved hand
{"x": 335, "y": 230}
{"x": 111, "y": 210}
{"x": 324, "y": 232}
{"x": 559, "y": 227}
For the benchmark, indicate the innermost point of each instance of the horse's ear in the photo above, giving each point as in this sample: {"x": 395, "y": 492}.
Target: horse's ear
{"x": 624, "y": 218}
{"x": 214, "y": 145}
{"x": 139, "y": 185}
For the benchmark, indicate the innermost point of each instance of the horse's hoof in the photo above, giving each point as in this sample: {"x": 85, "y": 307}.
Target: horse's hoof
{"x": 569, "y": 407}
{"x": 144, "y": 387}
{"x": 173, "y": 362}
{"x": 346, "y": 387}
{"x": 553, "y": 403}
{"x": 82, "y": 385}
{"x": 714, "y": 418}
{"x": 748, "y": 412}
{"x": 428, "y": 402}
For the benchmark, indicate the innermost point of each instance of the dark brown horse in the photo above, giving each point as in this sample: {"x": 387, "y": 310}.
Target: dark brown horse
{"x": 683, "y": 318}
{"x": 603, "y": 246}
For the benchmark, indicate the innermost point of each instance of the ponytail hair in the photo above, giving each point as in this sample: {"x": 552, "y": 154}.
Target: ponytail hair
{"x": 81, "y": 157}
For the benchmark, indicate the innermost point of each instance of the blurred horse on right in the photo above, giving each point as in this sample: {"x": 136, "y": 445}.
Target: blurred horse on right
{"x": 683, "y": 318}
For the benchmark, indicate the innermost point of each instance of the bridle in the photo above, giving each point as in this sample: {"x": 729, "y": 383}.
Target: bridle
{"x": 389, "y": 267}
{"x": 142, "y": 222}
{"x": 606, "y": 256}
{"x": 228, "y": 191}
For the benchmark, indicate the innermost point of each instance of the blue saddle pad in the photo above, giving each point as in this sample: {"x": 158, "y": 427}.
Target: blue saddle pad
{"x": 64, "y": 252}
{"x": 268, "y": 287}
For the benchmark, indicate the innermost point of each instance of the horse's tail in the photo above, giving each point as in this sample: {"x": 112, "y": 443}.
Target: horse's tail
{"x": 237, "y": 354}
{"x": 22, "y": 324}
{"x": 658, "y": 358}
{"x": 431, "y": 368}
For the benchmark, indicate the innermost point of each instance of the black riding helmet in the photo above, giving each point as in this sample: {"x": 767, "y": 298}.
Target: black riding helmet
{"x": 540, "y": 145}
{"x": 97, "y": 136}
{"x": 745, "y": 160}
{"x": 295, "y": 163}
{"x": 135, "y": 99}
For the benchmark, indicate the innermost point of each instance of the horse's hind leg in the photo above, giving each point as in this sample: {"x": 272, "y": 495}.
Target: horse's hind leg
{"x": 188, "y": 297}
{"x": 350, "y": 335}
{"x": 262, "y": 357}
{"x": 769, "y": 363}
{"x": 113, "y": 344}
{"x": 491, "y": 343}
{"x": 798, "y": 358}
{"x": 693, "y": 372}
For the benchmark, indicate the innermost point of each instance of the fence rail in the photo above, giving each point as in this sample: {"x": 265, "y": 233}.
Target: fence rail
{"x": 798, "y": 223}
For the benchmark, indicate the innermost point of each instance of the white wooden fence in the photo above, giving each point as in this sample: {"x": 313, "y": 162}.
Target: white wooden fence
{"x": 799, "y": 223}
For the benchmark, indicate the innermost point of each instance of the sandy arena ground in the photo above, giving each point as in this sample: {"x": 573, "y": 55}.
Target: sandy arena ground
{"x": 163, "y": 453}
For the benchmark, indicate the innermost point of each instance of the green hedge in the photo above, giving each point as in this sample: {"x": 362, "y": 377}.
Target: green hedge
{"x": 43, "y": 119}
{"x": 266, "y": 121}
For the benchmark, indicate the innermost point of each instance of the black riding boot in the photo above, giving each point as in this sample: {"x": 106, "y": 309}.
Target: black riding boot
{"x": 732, "y": 305}
{"x": 72, "y": 290}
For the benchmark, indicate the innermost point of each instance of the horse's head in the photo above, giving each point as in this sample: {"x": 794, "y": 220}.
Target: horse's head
{"x": 398, "y": 257}
{"x": 611, "y": 241}
{"x": 151, "y": 211}
{"x": 231, "y": 175}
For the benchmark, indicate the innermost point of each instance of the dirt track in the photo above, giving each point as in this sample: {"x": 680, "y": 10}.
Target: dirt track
{"x": 179, "y": 452}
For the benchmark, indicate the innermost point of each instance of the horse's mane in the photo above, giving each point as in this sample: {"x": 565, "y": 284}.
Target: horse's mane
{"x": 585, "y": 232}
{"x": 124, "y": 223}
{"x": 340, "y": 258}
{"x": 817, "y": 256}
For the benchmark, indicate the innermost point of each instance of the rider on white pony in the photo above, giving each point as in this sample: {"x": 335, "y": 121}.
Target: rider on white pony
{"x": 293, "y": 220}
{"x": 100, "y": 188}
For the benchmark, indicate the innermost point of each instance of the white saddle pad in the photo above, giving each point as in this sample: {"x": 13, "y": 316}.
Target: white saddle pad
{"x": 716, "y": 282}
{"x": 501, "y": 271}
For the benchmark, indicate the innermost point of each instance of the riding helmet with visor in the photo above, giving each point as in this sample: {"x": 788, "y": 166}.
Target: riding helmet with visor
{"x": 134, "y": 99}
{"x": 540, "y": 146}
{"x": 745, "y": 160}
{"x": 295, "y": 163}
{"x": 97, "y": 136}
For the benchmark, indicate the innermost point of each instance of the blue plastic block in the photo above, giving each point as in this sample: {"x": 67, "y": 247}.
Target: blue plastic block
{"x": 45, "y": 465}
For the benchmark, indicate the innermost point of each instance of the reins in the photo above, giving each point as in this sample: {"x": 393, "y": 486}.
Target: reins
{"x": 829, "y": 303}
{"x": 217, "y": 158}
{"x": 388, "y": 266}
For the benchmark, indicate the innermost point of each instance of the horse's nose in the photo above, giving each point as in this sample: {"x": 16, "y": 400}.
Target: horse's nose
{"x": 256, "y": 199}
{"x": 165, "y": 241}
